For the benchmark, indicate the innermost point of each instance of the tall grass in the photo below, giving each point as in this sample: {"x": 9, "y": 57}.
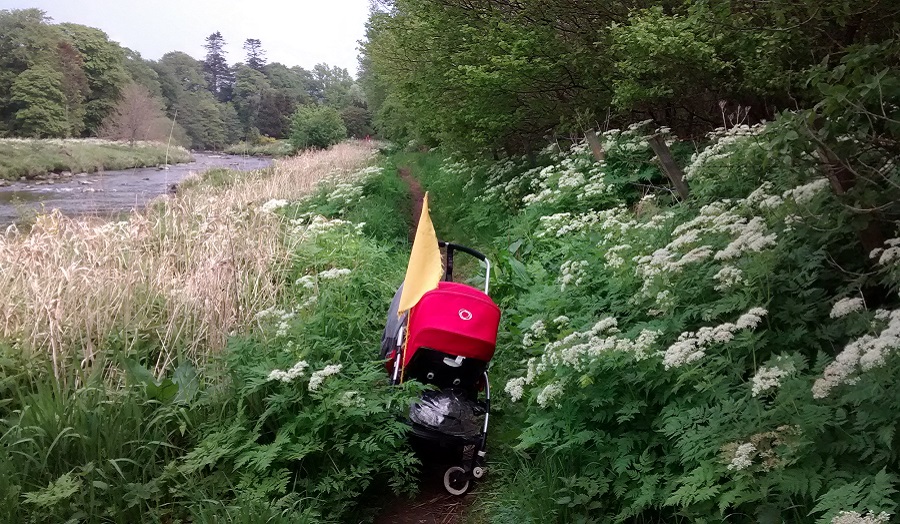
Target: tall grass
{"x": 171, "y": 281}
{"x": 25, "y": 157}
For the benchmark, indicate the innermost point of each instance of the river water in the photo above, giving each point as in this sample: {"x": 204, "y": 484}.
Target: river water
{"x": 109, "y": 192}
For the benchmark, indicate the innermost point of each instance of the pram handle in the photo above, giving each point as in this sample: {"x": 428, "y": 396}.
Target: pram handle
{"x": 451, "y": 248}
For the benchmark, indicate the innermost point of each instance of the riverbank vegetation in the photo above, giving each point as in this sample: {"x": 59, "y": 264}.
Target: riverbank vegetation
{"x": 271, "y": 147}
{"x": 694, "y": 211}
{"x": 211, "y": 358}
{"x": 69, "y": 80}
{"x": 29, "y": 158}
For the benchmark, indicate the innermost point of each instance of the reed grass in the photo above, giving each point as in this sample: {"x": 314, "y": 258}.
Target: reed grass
{"x": 171, "y": 281}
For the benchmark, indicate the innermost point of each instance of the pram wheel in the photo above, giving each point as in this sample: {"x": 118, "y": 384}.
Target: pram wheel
{"x": 456, "y": 481}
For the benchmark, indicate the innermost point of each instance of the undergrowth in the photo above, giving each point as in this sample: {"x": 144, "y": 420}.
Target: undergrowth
{"x": 293, "y": 421}
{"x": 731, "y": 357}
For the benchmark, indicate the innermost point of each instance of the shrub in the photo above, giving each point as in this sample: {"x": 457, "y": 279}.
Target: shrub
{"x": 728, "y": 357}
{"x": 316, "y": 127}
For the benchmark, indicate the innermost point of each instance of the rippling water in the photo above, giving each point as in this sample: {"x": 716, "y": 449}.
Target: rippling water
{"x": 109, "y": 192}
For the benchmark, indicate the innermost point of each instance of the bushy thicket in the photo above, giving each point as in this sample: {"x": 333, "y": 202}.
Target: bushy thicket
{"x": 732, "y": 357}
{"x": 294, "y": 422}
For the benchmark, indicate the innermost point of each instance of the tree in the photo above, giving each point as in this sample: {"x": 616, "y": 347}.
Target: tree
{"x": 38, "y": 92}
{"x": 358, "y": 121}
{"x": 316, "y": 127}
{"x": 249, "y": 88}
{"x": 137, "y": 116}
{"x": 74, "y": 86}
{"x": 104, "y": 65}
{"x": 256, "y": 56}
{"x": 218, "y": 74}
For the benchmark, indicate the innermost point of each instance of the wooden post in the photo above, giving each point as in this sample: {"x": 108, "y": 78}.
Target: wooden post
{"x": 596, "y": 147}
{"x": 669, "y": 167}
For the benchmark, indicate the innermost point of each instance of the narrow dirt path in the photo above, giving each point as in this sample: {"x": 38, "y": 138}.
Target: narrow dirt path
{"x": 432, "y": 505}
{"x": 416, "y": 193}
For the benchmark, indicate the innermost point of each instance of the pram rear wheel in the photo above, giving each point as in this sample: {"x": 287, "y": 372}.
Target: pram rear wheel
{"x": 456, "y": 482}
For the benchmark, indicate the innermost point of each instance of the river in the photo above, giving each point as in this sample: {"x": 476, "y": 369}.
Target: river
{"x": 109, "y": 192}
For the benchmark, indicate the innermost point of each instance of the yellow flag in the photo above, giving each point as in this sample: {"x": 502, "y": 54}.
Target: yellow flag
{"x": 425, "y": 269}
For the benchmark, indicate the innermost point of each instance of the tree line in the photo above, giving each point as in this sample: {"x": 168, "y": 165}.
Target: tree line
{"x": 506, "y": 74}
{"x": 70, "y": 80}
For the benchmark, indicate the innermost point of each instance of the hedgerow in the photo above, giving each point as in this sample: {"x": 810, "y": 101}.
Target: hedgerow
{"x": 729, "y": 357}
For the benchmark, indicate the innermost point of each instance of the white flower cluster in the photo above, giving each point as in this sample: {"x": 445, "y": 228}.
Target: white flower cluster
{"x": 537, "y": 330}
{"x": 751, "y": 237}
{"x": 550, "y": 394}
{"x": 613, "y": 259}
{"x": 309, "y": 281}
{"x": 767, "y": 378}
{"x": 845, "y": 306}
{"x": 691, "y": 346}
{"x": 724, "y": 142}
{"x": 743, "y": 457}
{"x": 316, "y": 225}
{"x": 515, "y": 388}
{"x": 572, "y": 272}
{"x": 561, "y": 320}
{"x": 578, "y": 349}
{"x": 728, "y": 277}
{"x": 572, "y": 173}
{"x": 289, "y": 375}
{"x": 762, "y": 197}
{"x": 319, "y": 376}
{"x": 854, "y": 517}
{"x": 345, "y": 193}
{"x": 561, "y": 224}
{"x": 864, "y": 353}
{"x": 272, "y": 205}
{"x": 889, "y": 255}
{"x": 351, "y": 399}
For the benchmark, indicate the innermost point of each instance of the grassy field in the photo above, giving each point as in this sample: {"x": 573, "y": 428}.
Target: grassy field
{"x": 29, "y": 158}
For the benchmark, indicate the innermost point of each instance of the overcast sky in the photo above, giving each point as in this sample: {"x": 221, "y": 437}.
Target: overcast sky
{"x": 293, "y": 32}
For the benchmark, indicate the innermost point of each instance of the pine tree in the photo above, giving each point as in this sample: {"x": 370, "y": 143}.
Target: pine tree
{"x": 215, "y": 67}
{"x": 256, "y": 57}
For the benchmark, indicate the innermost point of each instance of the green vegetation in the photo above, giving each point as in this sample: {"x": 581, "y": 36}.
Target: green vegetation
{"x": 731, "y": 357}
{"x": 497, "y": 75}
{"x": 30, "y": 158}
{"x": 293, "y": 421}
{"x": 317, "y": 127}
{"x": 69, "y": 80}
{"x": 273, "y": 148}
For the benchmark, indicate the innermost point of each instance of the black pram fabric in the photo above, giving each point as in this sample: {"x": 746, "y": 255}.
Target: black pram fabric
{"x": 393, "y": 325}
{"x": 448, "y": 412}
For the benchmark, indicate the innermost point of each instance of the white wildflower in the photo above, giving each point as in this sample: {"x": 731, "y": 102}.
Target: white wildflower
{"x": 691, "y": 346}
{"x": 854, "y": 517}
{"x": 864, "y": 353}
{"x": 743, "y": 457}
{"x": 549, "y": 394}
{"x": 291, "y": 374}
{"x": 728, "y": 277}
{"x": 767, "y": 378}
{"x": 333, "y": 273}
{"x": 272, "y": 205}
{"x": 351, "y": 399}
{"x": 561, "y": 320}
{"x": 845, "y": 306}
{"x": 319, "y": 376}
{"x": 515, "y": 388}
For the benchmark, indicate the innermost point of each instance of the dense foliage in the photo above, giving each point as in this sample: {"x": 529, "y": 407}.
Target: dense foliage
{"x": 294, "y": 422}
{"x": 729, "y": 357}
{"x": 492, "y": 74}
{"x": 317, "y": 127}
{"x": 68, "y": 80}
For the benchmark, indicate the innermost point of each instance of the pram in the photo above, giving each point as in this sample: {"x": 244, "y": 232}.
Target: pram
{"x": 452, "y": 335}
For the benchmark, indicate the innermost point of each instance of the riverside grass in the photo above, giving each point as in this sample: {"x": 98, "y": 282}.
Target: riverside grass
{"x": 178, "y": 276}
{"x": 29, "y": 158}
{"x": 237, "y": 439}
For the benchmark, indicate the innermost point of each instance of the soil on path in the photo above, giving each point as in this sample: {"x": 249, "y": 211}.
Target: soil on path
{"x": 432, "y": 505}
{"x": 416, "y": 194}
